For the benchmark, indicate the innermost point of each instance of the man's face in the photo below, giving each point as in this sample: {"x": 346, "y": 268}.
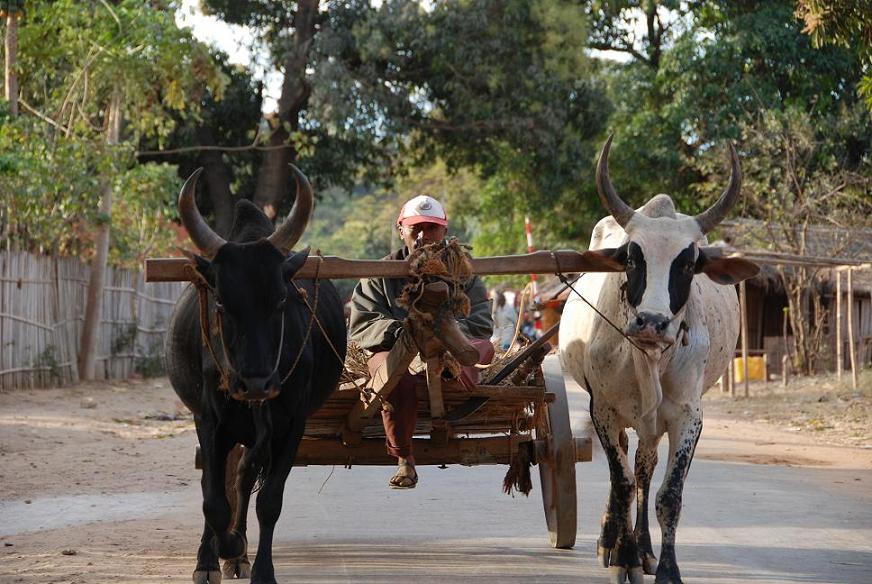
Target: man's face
{"x": 427, "y": 232}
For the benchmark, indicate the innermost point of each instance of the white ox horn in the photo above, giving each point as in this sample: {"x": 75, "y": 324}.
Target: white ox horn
{"x": 716, "y": 213}
{"x": 621, "y": 211}
{"x": 206, "y": 240}
{"x": 289, "y": 232}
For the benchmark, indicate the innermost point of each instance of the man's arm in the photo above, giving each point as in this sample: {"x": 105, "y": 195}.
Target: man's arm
{"x": 372, "y": 324}
{"x": 480, "y": 323}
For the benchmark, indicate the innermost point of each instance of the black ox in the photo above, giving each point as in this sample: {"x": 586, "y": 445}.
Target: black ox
{"x": 274, "y": 367}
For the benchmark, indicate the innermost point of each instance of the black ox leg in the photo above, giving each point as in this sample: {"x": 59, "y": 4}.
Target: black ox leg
{"x": 684, "y": 430}
{"x": 215, "y": 446}
{"x": 616, "y": 548}
{"x": 241, "y": 472}
{"x": 269, "y": 499}
{"x": 206, "y": 571}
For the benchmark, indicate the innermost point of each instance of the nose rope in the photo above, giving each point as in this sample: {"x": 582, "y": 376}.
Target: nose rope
{"x": 559, "y": 273}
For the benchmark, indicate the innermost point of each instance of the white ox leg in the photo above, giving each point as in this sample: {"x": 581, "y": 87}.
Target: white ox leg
{"x": 646, "y": 461}
{"x": 684, "y": 426}
{"x": 616, "y": 547}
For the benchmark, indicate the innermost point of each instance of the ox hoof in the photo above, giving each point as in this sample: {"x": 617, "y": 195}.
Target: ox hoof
{"x": 603, "y": 554}
{"x": 207, "y": 577}
{"x": 668, "y": 578}
{"x": 617, "y": 575}
{"x": 649, "y": 563}
{"x": 238, "y": 568}
{"x": 622, "y": 575}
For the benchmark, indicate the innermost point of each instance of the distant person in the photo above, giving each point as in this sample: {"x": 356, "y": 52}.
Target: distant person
{"x": 377, "y": 320}
{"x": 505, "y": 321}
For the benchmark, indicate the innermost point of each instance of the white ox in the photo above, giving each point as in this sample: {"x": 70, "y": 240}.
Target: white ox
{"x": 681, "y": 333}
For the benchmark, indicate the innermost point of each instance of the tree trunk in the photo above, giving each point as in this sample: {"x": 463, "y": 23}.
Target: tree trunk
{"x": 11, "y": 78}
{"x": 274, "y": 176}
{"x": 217, "y": 178}
{"x": 94, "y": 302}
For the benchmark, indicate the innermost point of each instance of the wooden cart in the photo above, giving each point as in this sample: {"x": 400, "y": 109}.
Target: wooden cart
{"x": 519, "y": 413}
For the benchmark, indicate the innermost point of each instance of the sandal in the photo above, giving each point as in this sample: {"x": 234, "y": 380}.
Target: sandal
{"x": 399, "y": 481}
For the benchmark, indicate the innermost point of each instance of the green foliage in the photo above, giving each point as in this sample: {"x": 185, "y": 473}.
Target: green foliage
{"x": 49, "y": 188}
{"x": 726, "y": 61}
{"x": 843, "y": 23}
{"x": 74, "y": 57}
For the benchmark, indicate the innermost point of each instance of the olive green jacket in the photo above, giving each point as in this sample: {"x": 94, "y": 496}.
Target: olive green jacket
{"x": 376, "y": 318}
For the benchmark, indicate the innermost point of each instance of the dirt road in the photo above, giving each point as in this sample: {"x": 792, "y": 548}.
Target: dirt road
{"x": 109, "y": 494}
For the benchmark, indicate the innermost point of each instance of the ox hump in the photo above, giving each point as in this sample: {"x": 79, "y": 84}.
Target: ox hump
{"x": 659, "y": 206}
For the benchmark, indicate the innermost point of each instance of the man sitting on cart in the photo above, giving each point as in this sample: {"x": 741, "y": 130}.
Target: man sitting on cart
{"x": 377, "y": 319}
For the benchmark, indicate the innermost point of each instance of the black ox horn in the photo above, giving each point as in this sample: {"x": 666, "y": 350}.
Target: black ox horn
{"x": 284, "y": 237}
{"x": 199, "y": 231}
{"x": 289, "y": 232}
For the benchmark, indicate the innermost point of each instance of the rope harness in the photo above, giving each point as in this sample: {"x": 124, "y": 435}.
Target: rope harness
{"x": 226, "y": 371}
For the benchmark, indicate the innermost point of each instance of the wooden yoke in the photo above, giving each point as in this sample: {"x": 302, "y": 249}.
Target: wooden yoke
{"x": 431, "y": 341}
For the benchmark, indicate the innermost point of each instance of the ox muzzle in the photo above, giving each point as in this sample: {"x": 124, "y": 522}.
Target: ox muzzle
{"x": 255, "y": 388}
{"x": 650, "y": 328}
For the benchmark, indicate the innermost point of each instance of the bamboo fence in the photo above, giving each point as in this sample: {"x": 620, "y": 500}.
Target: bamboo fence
{"x": 41, "y": 310}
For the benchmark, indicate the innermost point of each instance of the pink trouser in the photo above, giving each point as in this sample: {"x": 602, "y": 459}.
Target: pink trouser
{"x": 400, "y": 424}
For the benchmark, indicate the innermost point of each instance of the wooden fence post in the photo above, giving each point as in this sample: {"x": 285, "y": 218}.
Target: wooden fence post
{"x": 839, "y": 357}
{"x": 743, "y": 306}
{"x": 784, "y": 361}
{"x": 850, "y": 315}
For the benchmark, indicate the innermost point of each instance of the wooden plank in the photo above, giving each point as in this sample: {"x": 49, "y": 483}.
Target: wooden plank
{"x": 434, "y": 387}
{"x": 541, "y": 262}
{"x": 371, "y": 451}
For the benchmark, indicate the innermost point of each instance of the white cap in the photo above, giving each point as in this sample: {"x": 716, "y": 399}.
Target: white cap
{"x": 422, "y": 209}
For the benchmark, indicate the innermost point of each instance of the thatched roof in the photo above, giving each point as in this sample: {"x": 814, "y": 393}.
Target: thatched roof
{"x": 820, "y": 241}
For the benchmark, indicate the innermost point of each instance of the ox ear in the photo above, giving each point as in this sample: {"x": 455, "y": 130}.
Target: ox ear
{"x": 610, "y": 259}
{"x": 294, "y": 262}
{"x": 726, "y": 271}
{"x": 202, "y": 266}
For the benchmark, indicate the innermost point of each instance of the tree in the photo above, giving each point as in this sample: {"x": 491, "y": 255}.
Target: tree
{"x": 85, "y": 65}
{"x": 843, "y": 23}
{"x": 809, "y": 196}
{"x": 11, "y": 10}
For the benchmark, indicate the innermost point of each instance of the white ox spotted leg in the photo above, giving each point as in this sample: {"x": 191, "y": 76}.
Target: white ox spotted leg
{"x": 646, "y": 461}
{"x": 684, "y": 428}
{"x": 616, "y": 547}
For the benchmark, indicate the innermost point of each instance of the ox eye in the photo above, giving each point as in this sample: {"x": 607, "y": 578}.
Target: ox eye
{"x": 219, "y": 307}
{"x": 281, "y": 304}
{"x": 689, "y": 268}
{"x": 631, "y": 264}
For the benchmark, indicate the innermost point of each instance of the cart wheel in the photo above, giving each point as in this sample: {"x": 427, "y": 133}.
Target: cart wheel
{"x": 557, "y": 471}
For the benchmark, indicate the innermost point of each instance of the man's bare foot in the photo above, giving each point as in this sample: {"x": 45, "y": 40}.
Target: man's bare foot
{"x": 406, "y": 476}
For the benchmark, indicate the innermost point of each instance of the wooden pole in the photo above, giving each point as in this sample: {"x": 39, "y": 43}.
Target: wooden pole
{"x": 743, "y": 307}
{"x": 765, "y": 369}
{"x": 850, "y": 316}
{"x": 839, "y": 358}
{"x": 731, "y": 376}
{"x": 541, "y": 262}
{"x": 784, "y": 361}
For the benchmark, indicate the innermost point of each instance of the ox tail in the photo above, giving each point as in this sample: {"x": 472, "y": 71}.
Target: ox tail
{"x": 263, "y": 429}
